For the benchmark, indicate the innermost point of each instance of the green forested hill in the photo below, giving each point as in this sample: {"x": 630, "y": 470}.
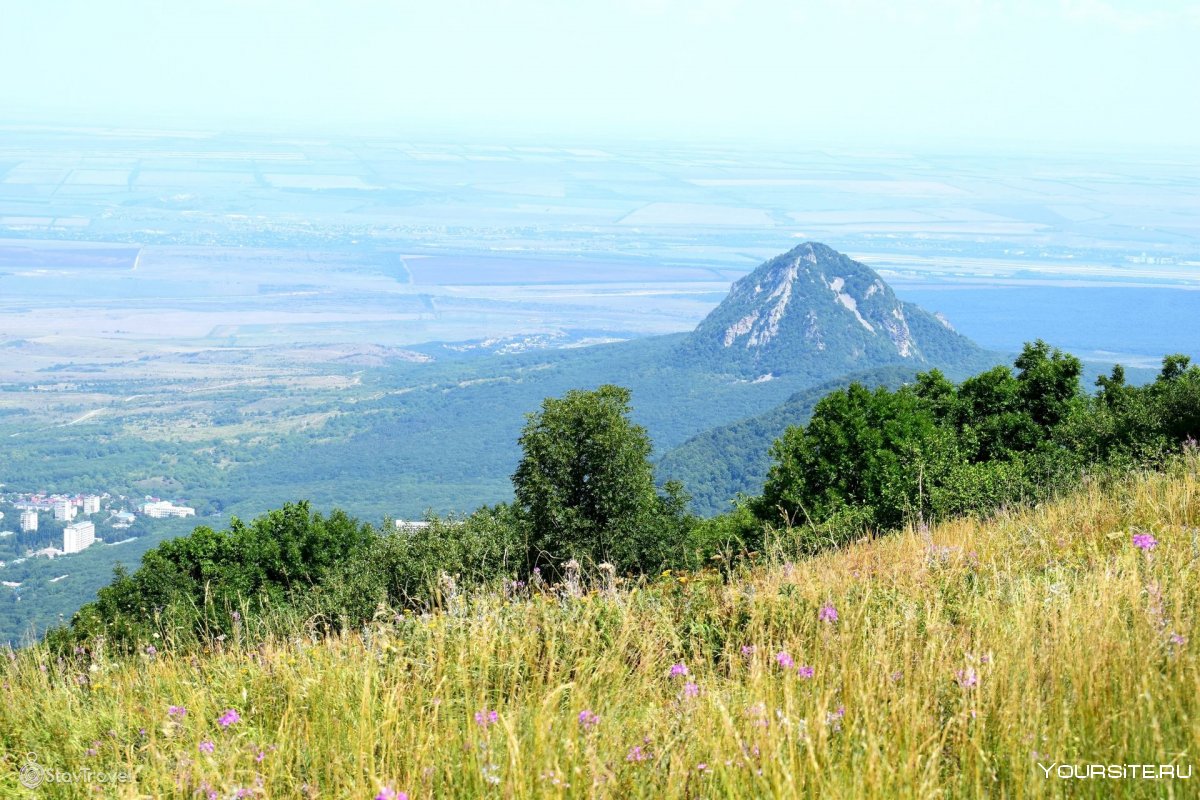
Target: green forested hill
{"x": 442, "y": 436}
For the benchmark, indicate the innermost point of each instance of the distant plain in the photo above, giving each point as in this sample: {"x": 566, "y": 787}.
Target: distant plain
{"x": 170, "y": 264}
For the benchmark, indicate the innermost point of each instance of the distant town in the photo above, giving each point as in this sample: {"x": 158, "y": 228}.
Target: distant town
{"x": 79, "y": 514}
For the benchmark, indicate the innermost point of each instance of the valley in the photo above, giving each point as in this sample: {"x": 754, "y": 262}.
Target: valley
{"x": 240, "y": 320}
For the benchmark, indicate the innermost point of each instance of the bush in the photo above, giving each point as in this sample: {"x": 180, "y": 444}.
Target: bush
{"x": 403, "y": 569}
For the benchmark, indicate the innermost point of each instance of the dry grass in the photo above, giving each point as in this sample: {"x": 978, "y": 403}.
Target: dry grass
{"x": 960, "y": 659}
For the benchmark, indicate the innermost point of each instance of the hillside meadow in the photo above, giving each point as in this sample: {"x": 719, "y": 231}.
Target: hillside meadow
{"x": 980, "y": 658}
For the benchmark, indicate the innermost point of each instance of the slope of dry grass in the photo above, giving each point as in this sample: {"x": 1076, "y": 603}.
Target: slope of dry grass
{"x": 960, "y": 659}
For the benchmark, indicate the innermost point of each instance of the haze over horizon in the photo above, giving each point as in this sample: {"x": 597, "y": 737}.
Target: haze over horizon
{"x": 1085, "y": 73}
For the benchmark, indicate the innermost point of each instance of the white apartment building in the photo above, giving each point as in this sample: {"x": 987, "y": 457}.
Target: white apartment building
{"x": 164, "y": 508}
{"x": 91, "y": 504}
{"x": 78, "y": 536}
{"x": 64, "y": 510}
{"x": 29, "y": 521}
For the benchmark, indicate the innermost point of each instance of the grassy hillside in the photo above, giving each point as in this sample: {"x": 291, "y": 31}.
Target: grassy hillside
{"x": 944, "y": 663}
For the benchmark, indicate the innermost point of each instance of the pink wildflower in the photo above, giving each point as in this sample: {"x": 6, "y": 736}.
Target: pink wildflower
{"x": 636, "y": 754}
{"x": 1145, "y": 541}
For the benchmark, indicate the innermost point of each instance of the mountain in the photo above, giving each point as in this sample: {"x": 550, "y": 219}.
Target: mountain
{"x": 817, "y": 312}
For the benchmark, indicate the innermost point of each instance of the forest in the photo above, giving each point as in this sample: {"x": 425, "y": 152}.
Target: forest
{"x": 868, "y": 462}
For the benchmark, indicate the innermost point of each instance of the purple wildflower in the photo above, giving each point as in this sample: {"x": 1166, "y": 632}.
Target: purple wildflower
{"x": 827, "y": 613}
{"x": 176, "y": 711}
{"x": 678, "y": 670}
{"x": 588, "y": 719}
{"x": 1145, "y": 541}
{"x": 806, "y": 671}
{"x": 636, "y": 754}
{"x": 207, "y": 746}
{"x": 690, "y": 689}
{"x": 967, "y": 678}
{"x": 1178, "y": 638}
{"x": 748, "y": 650}
{"x": 485, "y": 718}
{"x": 151, "y": 650}
{"x": 228, "y": 718}
{"x": 785, "y": 660}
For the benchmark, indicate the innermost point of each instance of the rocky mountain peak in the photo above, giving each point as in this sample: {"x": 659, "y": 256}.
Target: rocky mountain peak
{"x": 814, "y": 304}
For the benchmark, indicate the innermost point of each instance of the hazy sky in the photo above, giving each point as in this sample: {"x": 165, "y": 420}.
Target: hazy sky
{"x": 1093, "y": 72}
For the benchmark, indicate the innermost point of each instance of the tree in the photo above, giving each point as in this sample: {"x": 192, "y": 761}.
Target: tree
{"x": 1173, "y": 366}
{"x": 585, "y": 485}
{"x": 1048, "y": 381}
{"x": 874, "y": 452}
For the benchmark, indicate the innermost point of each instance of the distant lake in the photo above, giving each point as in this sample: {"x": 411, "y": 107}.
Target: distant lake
{"x": 1106, "y": 323}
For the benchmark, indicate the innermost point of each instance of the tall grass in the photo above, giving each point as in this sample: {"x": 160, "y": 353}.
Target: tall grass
{"x": 961, "y": 658}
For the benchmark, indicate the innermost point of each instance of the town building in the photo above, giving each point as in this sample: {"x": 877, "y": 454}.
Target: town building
{"x": 91, "y": 504}
{"x": 163, "y": 508}
{"x": 29, "y": 521}
{"x": 64, "y": 510}
{"x": 78, "y": 536}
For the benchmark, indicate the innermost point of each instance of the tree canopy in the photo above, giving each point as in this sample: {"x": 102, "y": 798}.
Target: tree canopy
{"x": 585, "y": 484}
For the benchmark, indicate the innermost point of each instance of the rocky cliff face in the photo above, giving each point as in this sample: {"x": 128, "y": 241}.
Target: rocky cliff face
{"x": 813, "y": 308}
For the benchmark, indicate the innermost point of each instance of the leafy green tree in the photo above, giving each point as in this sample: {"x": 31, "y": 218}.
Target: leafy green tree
{"x": 1047, "y": 382}
{"x": 873, "y": 451}
{"x": 1174, "y": 366}
{"x": 585, "y": 485}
